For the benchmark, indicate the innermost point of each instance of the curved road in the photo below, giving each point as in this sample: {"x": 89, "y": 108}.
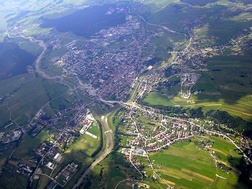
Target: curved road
{"x": 108, "y": 148}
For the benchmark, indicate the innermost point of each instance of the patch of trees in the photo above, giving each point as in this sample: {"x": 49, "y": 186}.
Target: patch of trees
{"x": 223, "y": 117}
{"x": 167, "y": 84}
{"x": 152, "y": 61}
{"x": 171, "y": 71}
{"x": 246, "y": 172}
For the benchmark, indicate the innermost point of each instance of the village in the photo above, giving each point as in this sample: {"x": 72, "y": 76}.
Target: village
{"x": 49, "y": 154}
{"x": 148, "y": 131}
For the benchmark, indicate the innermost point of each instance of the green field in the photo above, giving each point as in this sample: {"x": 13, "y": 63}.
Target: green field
{"x": 184, "y": 165}
{"x": 12, "y": 179}
{"x": 84, "y": 146}
{"x": 26, "y": 146}
{"x": 109, "y": 173}
{"x": 158, "y": 4}
{"x": 27, "y": 95}
{"x": 155, "y": 98}
{"x": 228, "y": 83}
{"x": 94, "y": 129}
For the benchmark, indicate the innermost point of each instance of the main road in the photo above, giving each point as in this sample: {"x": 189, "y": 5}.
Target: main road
{"x": 108, "y": 148}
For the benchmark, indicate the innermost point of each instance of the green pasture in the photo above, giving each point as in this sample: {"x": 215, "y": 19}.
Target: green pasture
{"x": 155, "y": 98}
{"x": 30, "y": 97}
{"x": 12, "y": 84}
{"x": 183, "y": 165}
{"x": 12, "y": 179}
{"x": 25, "y": 149}
{"x": 84, "y": 145}
{"x": 159, "y": 4}
{"x": 94, "y": 129}
{"x": 228, "y": 82}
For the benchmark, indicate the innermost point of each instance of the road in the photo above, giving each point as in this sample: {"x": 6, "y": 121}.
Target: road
{"x": 108, "y": 148}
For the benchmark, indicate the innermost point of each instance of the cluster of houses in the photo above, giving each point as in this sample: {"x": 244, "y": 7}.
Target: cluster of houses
{"x": 108, "y": 63}
{"x": 66, "y": 174}
{"x": 156, "y": 132}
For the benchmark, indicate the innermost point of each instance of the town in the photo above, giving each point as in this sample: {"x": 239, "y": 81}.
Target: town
{"x": 107, "y": 68}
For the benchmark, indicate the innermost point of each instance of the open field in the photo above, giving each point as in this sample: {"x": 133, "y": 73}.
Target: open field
{"x": 159, "y": 4}
{"x": 232, "y": 91}
{"x": 13, "y": 83}
{"x": 155, "y": 98}
{"x": 226, "y": 86}
{"x": 28, "y": 97}
{"x": 12, "y": 179}
{"x": 177, "y": 165}
{"x": 25, "y": 148}
{"x": 94, "y": 129}
{"x": 85, "y": 145}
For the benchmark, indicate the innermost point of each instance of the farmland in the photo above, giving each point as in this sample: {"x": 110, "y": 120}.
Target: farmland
{"x": 228, "y": 84}
{"x": 158, "y": 99}
{"x": 125, "y": 94}
{"x": 176, "y": 165}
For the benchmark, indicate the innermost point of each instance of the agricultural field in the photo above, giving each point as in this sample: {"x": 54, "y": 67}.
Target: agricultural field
{"x": 185, "y": 165}
{"x": 158, "y": 4}
{"x": 228, "y": 83}
{"x": 155, "y": 98}
{"x": 34, "y": 92}
{"x": 85, "y": 145}
{"x": 55, "y": 81}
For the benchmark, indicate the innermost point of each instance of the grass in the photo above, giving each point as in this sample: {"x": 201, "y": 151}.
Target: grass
{"x": 97, "y": 109}
{"x": 50, "y": 67}
{"x": 226, "y": 29}
{"x": 94, "y": 129}
{"x": 109, "y": 172}
{"x": 26, "y": 146}
{"x": 206, "y": 83}
{"x": 155, "y": 98}
{"x": 26, "y": 96}
{"x": 187, "y": 166}
{"x": 84, "y": 145}
{"x": 159, "y": 4}
{"x": 27, "y": 100}
{"x": 43, "y": 182}
{"x": 11, "y": 179}
{"x": 228, "y": 82}
{"x": 4, "y": 118}
{"x": 224, "y": 147}
{"x": 13, "y": 83}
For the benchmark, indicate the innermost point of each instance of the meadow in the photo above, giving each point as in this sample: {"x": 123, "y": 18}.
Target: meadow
{"x": 155, "y": 98}
{"x": 184, "y": 165}
{"x": 228, "y": 83}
